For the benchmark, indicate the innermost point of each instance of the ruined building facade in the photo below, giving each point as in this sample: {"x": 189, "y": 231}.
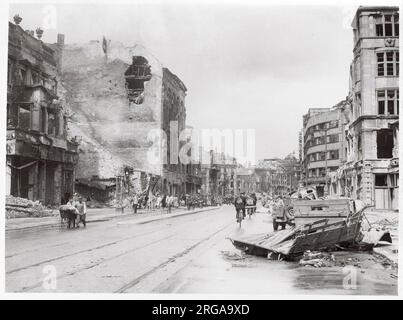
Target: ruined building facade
{"x": 371, "y": 171}
{"x": 129, "y": 111}
{"x": 369, "y": 118}
{"x": 40, "y": 157}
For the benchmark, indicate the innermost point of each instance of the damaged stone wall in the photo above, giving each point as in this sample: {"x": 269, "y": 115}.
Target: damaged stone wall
{"x": 113, "y": 127}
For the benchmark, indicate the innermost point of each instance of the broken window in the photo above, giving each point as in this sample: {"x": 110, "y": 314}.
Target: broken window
{"x": 381, "y": 180}
{"x": 385, "y": 143}
{"x": 379, "y": 26}
{"x": 53, "y": 123}
{"x": 387, "y": 25}
{"x": 388, "y": 102}
{"x": 35, "y": 78}
{"x": 12, "y": 116}
{"x": 138, "y": 73}
{"x": 43, "y": 119}
{"x": 22, "y": 77}
{"x": 24, "y": 117}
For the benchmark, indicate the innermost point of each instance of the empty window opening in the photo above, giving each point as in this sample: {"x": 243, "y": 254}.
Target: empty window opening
{"x": 138, "y": 73}
{"x": 24, "y": 117}
{"x": 53, "y": 123}
{"x": 385, "y": 143}
{"x": 381, "y": 180}
{"x": 387, "y": 25}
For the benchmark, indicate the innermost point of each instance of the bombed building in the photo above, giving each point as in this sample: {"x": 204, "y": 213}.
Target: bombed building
{"x": 368, "y": 120}
{"x": 129, "y": 111}
{"x": 40, "y": 156}
{"x": 371, "y": 171}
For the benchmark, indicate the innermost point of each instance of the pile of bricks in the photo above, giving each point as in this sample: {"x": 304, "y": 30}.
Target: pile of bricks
{"x": 24, "y": 208}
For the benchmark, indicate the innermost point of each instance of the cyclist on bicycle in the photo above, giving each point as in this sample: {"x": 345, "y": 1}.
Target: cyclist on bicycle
{"x": 240, "y": 203}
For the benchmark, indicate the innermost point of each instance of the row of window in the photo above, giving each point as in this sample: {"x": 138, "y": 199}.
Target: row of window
{"x": 333, "y": 138}
{"x": 21, "y": 118}
{"x": 388, "y": 102}
{"x": 321, "y": 156}
{"x": 388, "y": 63}
{"x": 319, "y": 172}
{"x": 322, "y": 127}
{"x": 387, "y": 25}
{"x": 28, "y": 76}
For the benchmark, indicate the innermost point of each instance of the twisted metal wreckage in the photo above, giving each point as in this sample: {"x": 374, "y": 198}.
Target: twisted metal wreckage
{"x": 329, "y": 230}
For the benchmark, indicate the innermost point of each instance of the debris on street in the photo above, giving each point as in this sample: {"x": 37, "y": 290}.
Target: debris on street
{"x": 230, "y": 255}
{"x": 376, "y": 236}
{"x": 23, "y": 208}
{"x": 293, "y": 242}
{"x": 317, "y": 259}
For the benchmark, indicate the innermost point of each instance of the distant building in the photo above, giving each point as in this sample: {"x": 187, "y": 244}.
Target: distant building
{"x": 219, "y": 175}
{"x": 247, "y": 180}
{"x": 40, "y": 157}
{"x": 323, "y": 148}
{"x": 278, "y": 176}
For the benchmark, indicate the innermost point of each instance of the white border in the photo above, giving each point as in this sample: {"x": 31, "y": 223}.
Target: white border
{"x": 4, "y": 6}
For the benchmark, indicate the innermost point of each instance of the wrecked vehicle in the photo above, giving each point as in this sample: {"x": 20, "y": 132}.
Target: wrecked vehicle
{"x": 292, "y": 243}
{"x": 308, "y": 211}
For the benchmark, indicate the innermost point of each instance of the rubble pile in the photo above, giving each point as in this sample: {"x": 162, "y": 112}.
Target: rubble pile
{"x": 24, "y": 208}
{"x": 317, "y": 259}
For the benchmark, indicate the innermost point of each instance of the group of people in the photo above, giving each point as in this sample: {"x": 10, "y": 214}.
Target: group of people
{"x": 80, "y": 206}
{"x": 152, "y": 202}
{"x": 163, "y": 201}
{"x": 242, "y": 201}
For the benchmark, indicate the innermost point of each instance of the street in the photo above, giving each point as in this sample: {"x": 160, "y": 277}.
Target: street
{"x": 184, "y": 254}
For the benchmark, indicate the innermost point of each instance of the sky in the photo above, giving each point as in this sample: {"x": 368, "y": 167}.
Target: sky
{"x": 245, "y": 66}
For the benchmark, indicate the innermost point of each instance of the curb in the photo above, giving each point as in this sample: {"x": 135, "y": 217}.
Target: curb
{"x": 170, "y": 215}
{"x": 137, "y": 221}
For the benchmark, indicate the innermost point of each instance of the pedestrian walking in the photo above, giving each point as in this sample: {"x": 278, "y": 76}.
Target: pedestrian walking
{"x": 169, "y": 203}
{"x": 135, "y": 203}
{"x": 81, "y": 212}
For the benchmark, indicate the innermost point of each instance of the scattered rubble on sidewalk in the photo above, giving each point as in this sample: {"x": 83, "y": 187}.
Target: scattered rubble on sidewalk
{"x": 24, "y": 208}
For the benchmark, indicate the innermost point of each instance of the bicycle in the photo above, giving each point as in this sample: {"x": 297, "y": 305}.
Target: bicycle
{"x": 240, "y": 215}
{"x": 250, "y": 210}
